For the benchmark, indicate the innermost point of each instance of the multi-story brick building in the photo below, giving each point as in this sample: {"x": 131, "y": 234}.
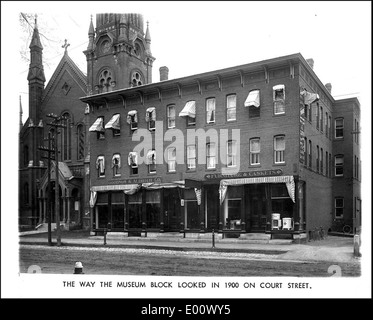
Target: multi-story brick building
{"x": 260, "y": 147}
{"x": 253, "y": 148}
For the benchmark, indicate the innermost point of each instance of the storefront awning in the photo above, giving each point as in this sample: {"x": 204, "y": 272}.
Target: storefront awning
{"x": 166, "y": 185}
{"x": 253, "y": 99}
{"x": 114, "y": 122}
{"x": 127, "y": 188}
{"x": 189, "y": 110}
{"x": 309, "y": 97}
{"x": 97, "y": 125}
{"x": 289, "y": 180}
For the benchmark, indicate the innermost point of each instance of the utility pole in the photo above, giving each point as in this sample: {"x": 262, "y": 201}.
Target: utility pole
{"x": 56, "y": 124}
{"x": 49, "y": 158}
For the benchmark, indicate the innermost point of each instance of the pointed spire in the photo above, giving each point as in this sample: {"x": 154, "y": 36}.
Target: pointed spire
{"x": 35, "y": 36}
{"x": 91, "y": 35}
{"x": 147, "y": 39}
{"x": 147, "y": 36}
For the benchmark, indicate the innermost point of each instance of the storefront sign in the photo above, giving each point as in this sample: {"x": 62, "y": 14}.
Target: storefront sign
{"x": 249, "y": 174}
{"x": 136, "y": 181}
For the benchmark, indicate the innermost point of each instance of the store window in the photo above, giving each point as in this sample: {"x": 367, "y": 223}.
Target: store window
{"x": 134, "y": 210}
{"x": 153, "y": 208}
{"x": 232, "y": 207}
{"x": 281, "y": 201}
{"x": 117, "y": 210}
{"x": 191, "y": 220}
{"x": 102, "y": 209}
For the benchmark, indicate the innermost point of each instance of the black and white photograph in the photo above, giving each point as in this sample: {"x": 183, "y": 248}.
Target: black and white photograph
{"x": 192, "y": 149}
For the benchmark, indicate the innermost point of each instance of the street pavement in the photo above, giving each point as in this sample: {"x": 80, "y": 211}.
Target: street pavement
{"x": 332, "y": 248}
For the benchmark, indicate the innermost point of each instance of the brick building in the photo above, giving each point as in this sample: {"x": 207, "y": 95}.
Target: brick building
{"x": 261, "y": 147}
{"x": 256, "y": 148}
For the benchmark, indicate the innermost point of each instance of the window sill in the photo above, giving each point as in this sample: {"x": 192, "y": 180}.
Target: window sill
{"x": 280, "y": 164}
{"x": 255, "y": 165}
{"x": 210, "y": 169}
{"x": 171, "y": 172}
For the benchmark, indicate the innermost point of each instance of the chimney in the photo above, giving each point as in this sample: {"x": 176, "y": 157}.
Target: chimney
{"x": 310, "y": 62}
{"x": 163, "y": 73}
{"x": 328, "y": 86}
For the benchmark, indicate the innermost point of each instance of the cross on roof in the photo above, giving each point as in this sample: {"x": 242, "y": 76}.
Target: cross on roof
{"x": 65, "y": 45}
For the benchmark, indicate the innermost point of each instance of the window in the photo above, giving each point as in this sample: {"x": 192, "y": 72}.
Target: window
{"x": 80, "y": 141}
{"x": 326, "y": 124}
{"x": 189, "y": 111}
{"x": 309, "y": 153}
{"x": 326, "y": 164}
{"x": 210, "y": 110}
{"x": 171, "y": 159}
{"x": 136, "y": 79}
{"x": 133, "y": 162}
{"x": 231, "y": 153}
{"x": 150, "y": 118}
{"x": 321, "y": 160}
{"x": 306, "y": 111}
{"x": 66, "y": 137}
{"x": 317, "y": 159}
{"x": 231, "y": 107}
{"x": 317, "y": 116}
{"x": 310, "y": 113}
{"x": 338, "y": 162}
{"x": 339, "y": 205}
{"x": 254, "y": 151}
{"x": 330, "y": 127}
{"x": 305, "y": 151}
{"x": 339, "y": 124}
{"x": 321, "y": 119}
{"x": 330, "y": 165}
{"x": 279, "y": 99}
{"x": 115, "y": 164}
{"x": 253, "y": 102}
{"x": 279, "y": 149}
{"x": 151, "y": 161}
{"x": 357, "y": 132}
{"x": 171, "y": 114}
{"x": 210, "y": 156}
{"x": 355, "y": 129}
{"x": 191, "y": 157}
{"x": 100, "y": 166}
{"x": 114, "y": 124}
{"x": 132, "y": 119}
{"x": 355, "y": 166}
{"x": 106, "y": 82}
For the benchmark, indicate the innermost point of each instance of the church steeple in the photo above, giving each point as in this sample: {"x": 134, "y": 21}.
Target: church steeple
{"x": 147, "y": 39}
{"x": 36, "y": 77}
{"x": 91, "y": 35}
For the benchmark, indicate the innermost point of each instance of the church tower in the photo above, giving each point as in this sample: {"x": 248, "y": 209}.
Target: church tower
{"x": 118, "y": 53}
{"x": 36, "y": 78}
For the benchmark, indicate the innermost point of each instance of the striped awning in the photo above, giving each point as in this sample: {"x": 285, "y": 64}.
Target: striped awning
{"x": 97, "y": 125}
{"x": 127, "y": 188}
{"x": 132, "y": 115}
{"x": 289, "y": 180}
{"x": 150, "y": 114}
{"x": 309, "y": 97}
{"x": 114, "y": 122}
{"x": 189, "y": 110}
{"x": 253, "y": 99}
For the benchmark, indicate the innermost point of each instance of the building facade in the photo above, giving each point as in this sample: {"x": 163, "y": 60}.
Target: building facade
{"x": 257, "y": 148}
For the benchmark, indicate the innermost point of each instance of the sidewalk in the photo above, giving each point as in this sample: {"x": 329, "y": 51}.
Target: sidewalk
{"x": 332, "y": 249}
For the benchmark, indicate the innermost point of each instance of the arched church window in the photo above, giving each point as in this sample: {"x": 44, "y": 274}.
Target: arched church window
{"x": 66, "y": 137}
{"x": 136, "y": 79}
{"x": 105, "y": 80}
{"x": 137, "y": 50}
{"x": 80, "y": 142}
{"x": 25, "y": 156}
